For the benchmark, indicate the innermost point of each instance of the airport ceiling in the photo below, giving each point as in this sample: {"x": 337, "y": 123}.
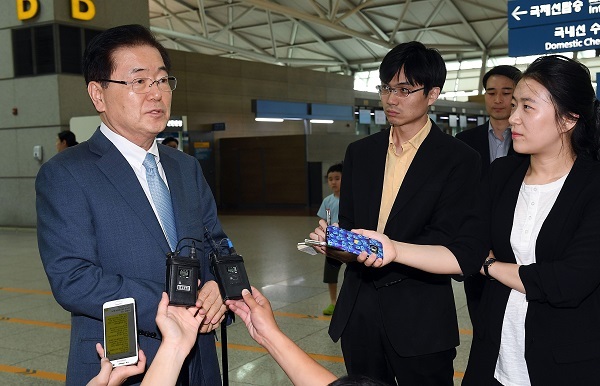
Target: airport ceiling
{"x": 342, "y": 36}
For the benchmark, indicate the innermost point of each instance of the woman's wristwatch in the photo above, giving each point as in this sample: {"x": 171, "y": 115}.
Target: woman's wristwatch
{"x": 486, "y": 266}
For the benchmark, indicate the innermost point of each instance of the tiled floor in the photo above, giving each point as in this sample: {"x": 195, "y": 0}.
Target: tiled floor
{"x": 34, "y": 330}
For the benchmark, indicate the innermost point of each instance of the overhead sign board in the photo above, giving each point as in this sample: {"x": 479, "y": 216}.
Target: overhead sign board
{"x": 528, "y": 13}
{"x": 540, "y": 27}
{"x": 552, "y": 38}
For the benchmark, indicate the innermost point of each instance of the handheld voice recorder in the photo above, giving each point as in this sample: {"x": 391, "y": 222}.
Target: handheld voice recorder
{"x": 182, "y": 278}
{"x": 229, "y": 270}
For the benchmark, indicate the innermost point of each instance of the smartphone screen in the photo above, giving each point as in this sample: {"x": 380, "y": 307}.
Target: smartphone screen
{"x": 120, "y": 332}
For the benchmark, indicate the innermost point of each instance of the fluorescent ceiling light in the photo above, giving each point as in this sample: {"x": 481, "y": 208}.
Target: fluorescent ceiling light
{"x": 268, "y": 119}
{"x": 175, "y": 123}
{"x": 328, "y": 121}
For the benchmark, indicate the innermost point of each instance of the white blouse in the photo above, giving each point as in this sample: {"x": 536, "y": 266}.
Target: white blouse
{"x": 533, "y": 205}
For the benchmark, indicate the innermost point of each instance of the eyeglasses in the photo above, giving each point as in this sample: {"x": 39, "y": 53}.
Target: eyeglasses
{"x": 143, "y": 85}
{"x": 384, "y": 89}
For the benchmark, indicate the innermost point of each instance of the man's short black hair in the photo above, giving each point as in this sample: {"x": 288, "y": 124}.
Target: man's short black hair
{"x": 511, "y": 72}
{"x": 422, "y": 65}
{"x": 98, "y": 60}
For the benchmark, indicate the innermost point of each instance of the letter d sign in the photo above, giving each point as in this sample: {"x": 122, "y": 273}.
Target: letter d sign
{"x": 32, "y": 9}
{"x": 83, "y": 9}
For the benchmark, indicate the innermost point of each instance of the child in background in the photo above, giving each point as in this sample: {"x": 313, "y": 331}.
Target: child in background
{"x": 331, "y": 202}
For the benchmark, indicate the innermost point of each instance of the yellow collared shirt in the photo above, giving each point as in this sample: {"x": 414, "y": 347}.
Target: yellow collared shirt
{"x": 396, "y": 167}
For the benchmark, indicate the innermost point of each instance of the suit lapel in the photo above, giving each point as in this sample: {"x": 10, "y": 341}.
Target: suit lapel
{"x": 502, "y": 215}
{"x": 562, "y": 209}
{"x": 118, "y": 171}
{"x": 419, "y": 170}
{"x": 485, "y": 144}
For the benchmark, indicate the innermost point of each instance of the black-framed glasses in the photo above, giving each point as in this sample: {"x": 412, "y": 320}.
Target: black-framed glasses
{"x": 384, "y": 89}
{"x": 143, "y": 85}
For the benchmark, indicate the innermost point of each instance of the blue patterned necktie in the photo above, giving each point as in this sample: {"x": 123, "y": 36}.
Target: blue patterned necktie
{"x": 162, "y": 199}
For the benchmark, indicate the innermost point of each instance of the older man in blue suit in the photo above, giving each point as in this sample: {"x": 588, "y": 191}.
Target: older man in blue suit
{"x": 103, "y": 230}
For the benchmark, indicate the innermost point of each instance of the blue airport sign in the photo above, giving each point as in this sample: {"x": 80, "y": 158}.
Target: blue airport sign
{"x": 560, "y": 37}
{"x": 528, "y": 13}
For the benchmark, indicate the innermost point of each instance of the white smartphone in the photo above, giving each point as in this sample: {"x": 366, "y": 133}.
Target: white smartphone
{"x": 120, "y": 332}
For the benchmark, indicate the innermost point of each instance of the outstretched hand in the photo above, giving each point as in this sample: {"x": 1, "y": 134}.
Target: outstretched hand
{"x": 178, "y": 325}
{"x": 389, "y": 250}
{"x": 255, "y": 310}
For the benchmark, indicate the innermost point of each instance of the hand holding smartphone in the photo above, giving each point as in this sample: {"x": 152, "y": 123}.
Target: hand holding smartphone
{"x": 351, "y": 242}
{"x": 120, "y": 332}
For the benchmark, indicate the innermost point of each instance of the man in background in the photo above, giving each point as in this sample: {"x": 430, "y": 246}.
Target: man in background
{"x": 171, "y": 141}
{"x": 491, "y": 140}
{"x": 65, "y": 139}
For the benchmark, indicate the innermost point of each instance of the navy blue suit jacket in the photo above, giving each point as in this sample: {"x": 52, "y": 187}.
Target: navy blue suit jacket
{"x": 100, "y": 240}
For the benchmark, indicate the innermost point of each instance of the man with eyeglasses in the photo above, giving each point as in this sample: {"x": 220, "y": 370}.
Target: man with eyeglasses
{"x": 111, "y": 209}
{"x": 415, "y": 184}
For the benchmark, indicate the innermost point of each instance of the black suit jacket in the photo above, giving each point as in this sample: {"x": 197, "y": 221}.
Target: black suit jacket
{"x": 563, "y": 287}
{"x": 478, "y": 139}
{"x": 434, "y": 199}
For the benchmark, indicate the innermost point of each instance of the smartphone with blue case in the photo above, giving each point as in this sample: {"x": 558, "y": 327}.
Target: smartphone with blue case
{"x": 351, "y": 242}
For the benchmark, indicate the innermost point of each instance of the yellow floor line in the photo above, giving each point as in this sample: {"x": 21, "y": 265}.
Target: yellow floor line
{"x": 35, "y": 322}
{"x": 61, "y": 377}
{"x": 317, "y": 357}
{"x": 301, "y": 316}
{"x": 462, "y": 331}
{"x": 33, "y": 373}
{"x": 26, "y": 291}
{"x": 242, "y": 347}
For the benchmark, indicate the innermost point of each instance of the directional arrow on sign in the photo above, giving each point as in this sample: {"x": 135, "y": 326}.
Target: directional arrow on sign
{"x": 516, "y": 13}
